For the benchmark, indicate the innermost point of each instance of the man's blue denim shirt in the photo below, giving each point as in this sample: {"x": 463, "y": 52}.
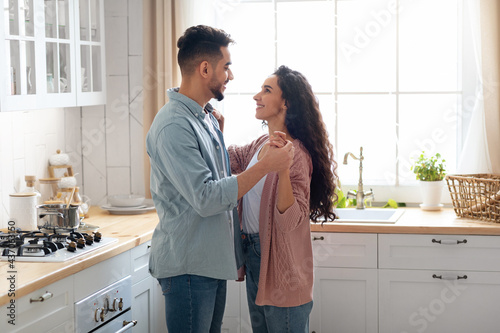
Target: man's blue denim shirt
{"x": 192, "y": 197}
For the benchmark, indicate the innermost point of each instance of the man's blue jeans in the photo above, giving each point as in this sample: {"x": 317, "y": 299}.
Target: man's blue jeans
{"x": 269, "y": 318}
{"x": 194, "y": 303}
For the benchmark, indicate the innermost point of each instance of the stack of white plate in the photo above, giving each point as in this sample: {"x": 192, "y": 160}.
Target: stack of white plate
{"x": 128, "y": 204}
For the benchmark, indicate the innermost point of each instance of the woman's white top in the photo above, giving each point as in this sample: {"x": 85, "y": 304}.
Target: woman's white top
{"x": 251, "y": 203}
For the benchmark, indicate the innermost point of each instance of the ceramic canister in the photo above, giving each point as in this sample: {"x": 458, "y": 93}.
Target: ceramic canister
{"x": 59, "y": 159}
{"x": 67, "y": 182}
{"x": 23, "y": 210}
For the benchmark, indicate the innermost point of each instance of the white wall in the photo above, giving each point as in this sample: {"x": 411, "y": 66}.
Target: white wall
{"x": 105, "y": 143}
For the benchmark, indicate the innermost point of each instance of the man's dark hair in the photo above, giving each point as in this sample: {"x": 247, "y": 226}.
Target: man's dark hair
{"x": 200, "y": 43}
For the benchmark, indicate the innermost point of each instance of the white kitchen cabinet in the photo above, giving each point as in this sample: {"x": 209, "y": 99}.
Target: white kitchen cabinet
{"x": 344, "y": 250}
{"x": 416, "y": 301}
{"x": 148, "y": 306}
{"x": 236, "y": 315}
{"x": 54, "y": 54}
{"x": 439, "y": 283}
{"x": 143, "y": 305}
{"x": 54, "y": 314}
{"x": 345, "y": 300}
{"x": 345, "y": 283}
{"x": 158, "y": 319}
{"x": 232, "y": 312}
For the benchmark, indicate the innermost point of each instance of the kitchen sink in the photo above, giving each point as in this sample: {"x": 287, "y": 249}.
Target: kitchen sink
{"x": 368, "y": 215}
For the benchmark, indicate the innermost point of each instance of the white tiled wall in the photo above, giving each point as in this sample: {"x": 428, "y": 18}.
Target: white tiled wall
{"x": 113, "y": 154}
{"x": 105, "y": 143}
{"x": 27, "y": 140}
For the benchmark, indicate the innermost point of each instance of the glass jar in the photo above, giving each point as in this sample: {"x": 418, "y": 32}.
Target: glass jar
{"x": 48, "y": 189}
{"x": 30, "y": 188}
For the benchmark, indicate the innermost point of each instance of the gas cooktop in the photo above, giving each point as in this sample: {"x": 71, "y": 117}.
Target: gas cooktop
{"x": 37, "y": 246}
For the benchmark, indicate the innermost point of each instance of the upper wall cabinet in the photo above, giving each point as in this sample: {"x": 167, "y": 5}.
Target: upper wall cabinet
{"x": 53, "y": 54}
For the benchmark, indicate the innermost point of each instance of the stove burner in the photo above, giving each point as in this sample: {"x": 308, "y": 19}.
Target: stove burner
{"x": 51, "y": 245}
{"x": 11, "y": 242}
{"x": 33, "y": 250}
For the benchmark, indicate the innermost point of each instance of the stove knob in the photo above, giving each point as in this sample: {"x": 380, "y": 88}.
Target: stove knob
{"x": 80, "y": 243}
{"x": 106, "y": 305}
{"x": 113, "y": 309}
{"x": 89, "y": 240}
{"x": 120, "y": 304}
{"x": 102, "y": 314}
{"x": 71, "y": 247}
{"x": 96, "y": 315}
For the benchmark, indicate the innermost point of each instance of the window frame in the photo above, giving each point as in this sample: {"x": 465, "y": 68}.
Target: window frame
{"x": 407, "y": 193}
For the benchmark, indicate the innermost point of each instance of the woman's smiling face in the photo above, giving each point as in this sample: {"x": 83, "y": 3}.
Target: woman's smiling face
{"x": 270, "y": 103}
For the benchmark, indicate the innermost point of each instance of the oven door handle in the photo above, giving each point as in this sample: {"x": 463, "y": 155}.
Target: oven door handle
{"x": 127, "y": 325}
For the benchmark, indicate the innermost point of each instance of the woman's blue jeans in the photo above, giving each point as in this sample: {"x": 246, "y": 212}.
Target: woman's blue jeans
{"x": 194, "y": 304}
{"x": 269, "y": 318}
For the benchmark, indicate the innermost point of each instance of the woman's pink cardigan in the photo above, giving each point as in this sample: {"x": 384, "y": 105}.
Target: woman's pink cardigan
{"x": 286, "y": 272}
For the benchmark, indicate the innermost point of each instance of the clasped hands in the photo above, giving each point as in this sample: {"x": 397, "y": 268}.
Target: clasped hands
{"x": 280, "y": 152}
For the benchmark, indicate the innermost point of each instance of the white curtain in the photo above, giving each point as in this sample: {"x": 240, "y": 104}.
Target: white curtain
{"x": 475, "y": 157}
{"x": 164, "y": 22}
{"x": 194, "y": 12}
{"x": 490, "y": 37}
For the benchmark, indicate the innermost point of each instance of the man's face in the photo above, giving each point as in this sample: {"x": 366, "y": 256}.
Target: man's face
{"x": 221, "y": 75}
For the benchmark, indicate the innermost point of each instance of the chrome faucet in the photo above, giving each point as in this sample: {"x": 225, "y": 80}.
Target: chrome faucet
{"x": 360, "y": 195}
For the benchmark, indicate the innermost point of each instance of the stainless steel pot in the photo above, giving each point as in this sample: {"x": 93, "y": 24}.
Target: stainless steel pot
{"x": 52, "y": 216}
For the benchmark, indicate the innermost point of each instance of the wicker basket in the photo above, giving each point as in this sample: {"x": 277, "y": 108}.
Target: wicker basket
{"x": 476, "y": 196}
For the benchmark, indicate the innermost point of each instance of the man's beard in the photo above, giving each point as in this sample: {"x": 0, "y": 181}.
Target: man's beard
{"x": 215, "y": 88}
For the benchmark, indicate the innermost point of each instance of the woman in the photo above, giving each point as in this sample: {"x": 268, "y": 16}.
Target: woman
{"x": 276, "y": 213}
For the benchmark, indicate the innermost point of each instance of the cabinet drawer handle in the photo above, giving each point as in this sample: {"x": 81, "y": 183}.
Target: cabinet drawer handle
{"x": 42, "y": 298}
{"x": 434, "y": 276}
{"x": 449, "y": 241}
{"x": 318, "y": 238}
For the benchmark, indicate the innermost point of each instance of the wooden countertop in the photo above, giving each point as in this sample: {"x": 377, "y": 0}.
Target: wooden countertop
{"x": 418, "y": 221}
{"x": 133, "y": 230}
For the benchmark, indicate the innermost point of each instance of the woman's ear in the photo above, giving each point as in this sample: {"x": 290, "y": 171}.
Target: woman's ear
{"x": 284, "y": 107}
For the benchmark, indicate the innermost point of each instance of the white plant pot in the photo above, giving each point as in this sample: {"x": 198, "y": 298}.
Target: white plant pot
{"x": 431, "y": 194}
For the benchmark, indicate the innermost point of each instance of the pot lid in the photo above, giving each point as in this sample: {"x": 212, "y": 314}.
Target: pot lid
{"x": 27, "y": 194}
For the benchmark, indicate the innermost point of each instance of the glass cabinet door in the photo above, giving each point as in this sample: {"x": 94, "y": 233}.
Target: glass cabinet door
{"x": 20, "y": 51}
{"x": 59, "y": 54}
{"x": 91, "y": 52}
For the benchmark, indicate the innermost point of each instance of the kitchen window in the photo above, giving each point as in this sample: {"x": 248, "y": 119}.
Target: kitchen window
{"x": 390, "y": 75}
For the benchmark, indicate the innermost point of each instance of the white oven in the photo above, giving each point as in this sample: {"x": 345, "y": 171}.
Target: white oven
{"x": 107, "y": 310}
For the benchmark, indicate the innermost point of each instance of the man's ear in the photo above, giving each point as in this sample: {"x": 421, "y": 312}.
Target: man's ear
{"x": 204, "y": 69}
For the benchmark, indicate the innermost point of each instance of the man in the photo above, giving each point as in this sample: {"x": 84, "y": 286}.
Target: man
{"x": 193, "y": 247}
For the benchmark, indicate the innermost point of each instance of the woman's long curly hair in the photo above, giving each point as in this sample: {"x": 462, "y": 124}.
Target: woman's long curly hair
{"x": 304, "y": 122}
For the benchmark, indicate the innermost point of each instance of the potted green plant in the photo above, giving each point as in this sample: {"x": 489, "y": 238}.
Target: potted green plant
{"x": 430, "y": 171}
